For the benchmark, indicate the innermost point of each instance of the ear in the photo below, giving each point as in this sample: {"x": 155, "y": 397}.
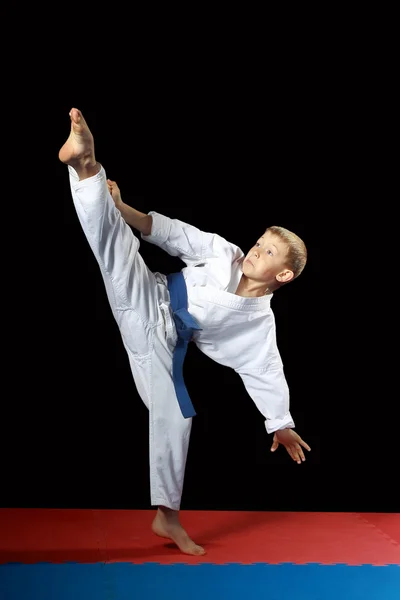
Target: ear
{"x": 285, "y": 276}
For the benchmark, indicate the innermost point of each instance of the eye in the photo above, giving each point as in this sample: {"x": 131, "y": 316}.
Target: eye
{"x": 270, "y": 252}
{"x": 257, "y": 244}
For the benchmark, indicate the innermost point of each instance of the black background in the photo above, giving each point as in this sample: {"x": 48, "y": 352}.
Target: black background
{"x": 231, "y": 149}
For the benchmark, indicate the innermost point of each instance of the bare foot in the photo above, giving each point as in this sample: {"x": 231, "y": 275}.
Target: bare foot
{"x": 166, "y": 524}
{"x": 78, "y": 150}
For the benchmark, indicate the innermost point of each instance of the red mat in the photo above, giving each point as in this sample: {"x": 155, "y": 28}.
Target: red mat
{"x": 89, "y": 536}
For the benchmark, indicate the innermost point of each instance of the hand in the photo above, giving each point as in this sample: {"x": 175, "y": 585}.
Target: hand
{"x": 115, "y": 192}
{"x": 292, "y": 442}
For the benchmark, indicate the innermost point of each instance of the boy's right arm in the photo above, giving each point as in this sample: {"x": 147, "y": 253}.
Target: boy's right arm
{"x": 133, "y": 217}
{"x": 180, "y": 239}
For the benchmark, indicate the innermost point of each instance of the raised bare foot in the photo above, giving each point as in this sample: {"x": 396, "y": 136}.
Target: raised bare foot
{"x": 78, "y": 150}
{"x": 166, "y": 524}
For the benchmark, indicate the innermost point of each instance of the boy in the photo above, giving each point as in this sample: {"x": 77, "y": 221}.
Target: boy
{"x": 220, "y": 300}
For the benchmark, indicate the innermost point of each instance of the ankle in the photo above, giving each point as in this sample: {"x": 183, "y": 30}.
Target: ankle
{"x": 168, "y": 513}
{"x": 86, "y": 168}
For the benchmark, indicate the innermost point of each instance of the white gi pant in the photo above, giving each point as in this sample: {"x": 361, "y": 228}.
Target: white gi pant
{"x": 139, "y": 300}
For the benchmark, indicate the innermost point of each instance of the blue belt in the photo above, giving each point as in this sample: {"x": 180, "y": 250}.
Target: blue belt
{"x": 185, "y": 326}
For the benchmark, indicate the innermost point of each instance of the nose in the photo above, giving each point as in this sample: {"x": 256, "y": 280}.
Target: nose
{"x": 256, "y": 253}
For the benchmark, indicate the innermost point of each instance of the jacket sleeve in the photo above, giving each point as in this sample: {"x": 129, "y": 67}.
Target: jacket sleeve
{"x": 270, "y": 392}
{"x": 187, "y": 242}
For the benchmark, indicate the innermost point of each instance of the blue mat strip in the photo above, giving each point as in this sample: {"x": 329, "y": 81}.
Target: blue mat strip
{"x": 126, "y": 581}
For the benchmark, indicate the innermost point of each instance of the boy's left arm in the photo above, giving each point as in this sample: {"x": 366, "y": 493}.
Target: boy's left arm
{"x": 269, "y": 391}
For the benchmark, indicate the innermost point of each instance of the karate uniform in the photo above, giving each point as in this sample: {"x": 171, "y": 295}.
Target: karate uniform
{"x": 236, "y": 332}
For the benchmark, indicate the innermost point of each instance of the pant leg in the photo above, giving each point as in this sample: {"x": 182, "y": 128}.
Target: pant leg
{"x": 139, "y": 301}
{"x": 130, "y": 285}
{"x": 169, "y": 431}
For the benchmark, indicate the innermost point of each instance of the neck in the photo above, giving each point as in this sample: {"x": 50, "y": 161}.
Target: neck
{"x": 248, "y": 288}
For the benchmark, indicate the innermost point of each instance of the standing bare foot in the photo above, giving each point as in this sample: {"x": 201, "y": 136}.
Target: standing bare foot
{"x": 78, "y": 150}
{"x": 166, "y": 524}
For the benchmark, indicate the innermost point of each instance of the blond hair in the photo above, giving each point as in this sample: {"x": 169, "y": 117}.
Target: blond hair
{"x": 296, "y": 257}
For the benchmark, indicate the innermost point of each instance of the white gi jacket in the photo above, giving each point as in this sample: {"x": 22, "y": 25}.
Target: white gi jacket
{"x": 236, "y": 332}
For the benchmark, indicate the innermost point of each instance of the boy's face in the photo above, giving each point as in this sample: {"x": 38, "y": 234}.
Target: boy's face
{"x": 265, "y": 262}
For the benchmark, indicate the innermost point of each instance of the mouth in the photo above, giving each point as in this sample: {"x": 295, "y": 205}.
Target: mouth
{"x": 249, "y": 261}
